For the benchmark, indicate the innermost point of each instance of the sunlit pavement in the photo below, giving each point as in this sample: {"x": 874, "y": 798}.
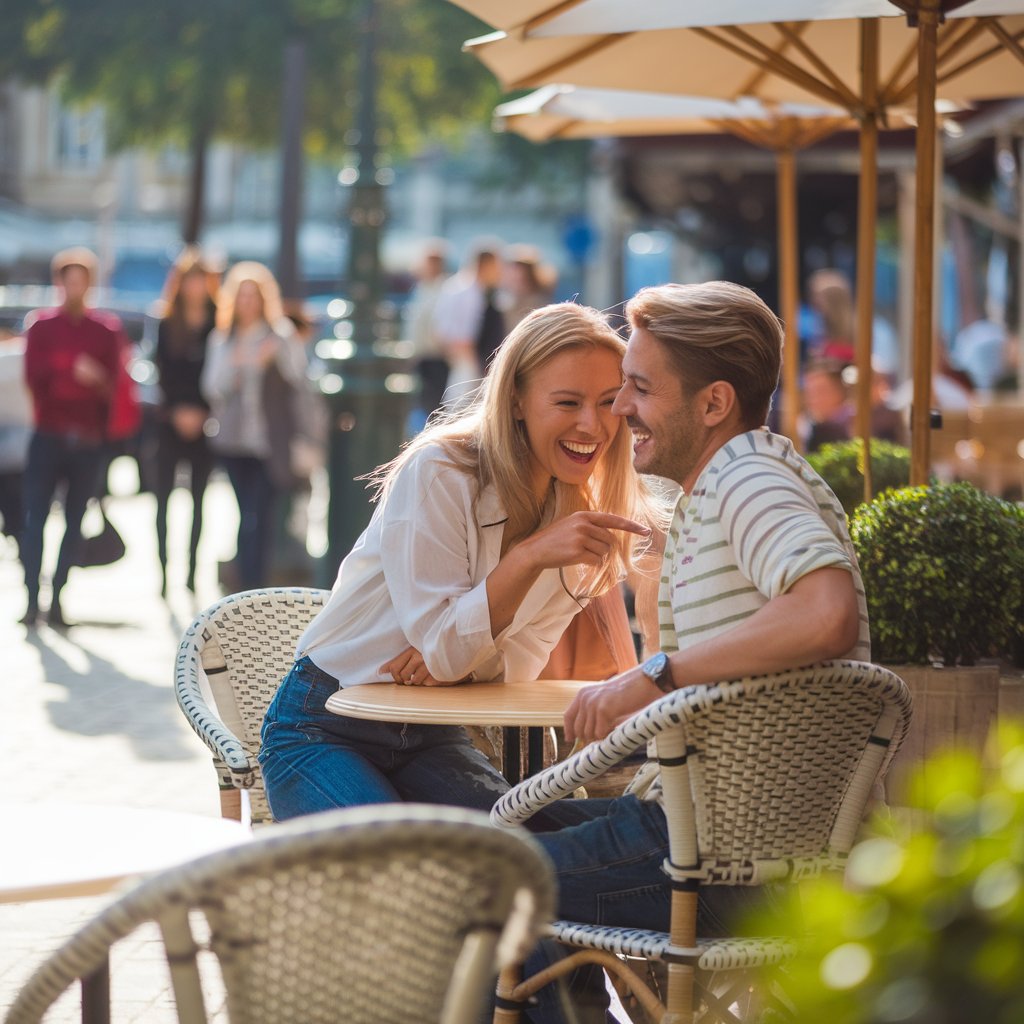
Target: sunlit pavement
{"x": 90, "y": 717}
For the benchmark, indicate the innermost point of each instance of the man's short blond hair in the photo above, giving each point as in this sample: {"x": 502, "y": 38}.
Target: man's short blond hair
{"x": 716, "y": 331}
{"x": 77, "y": 256}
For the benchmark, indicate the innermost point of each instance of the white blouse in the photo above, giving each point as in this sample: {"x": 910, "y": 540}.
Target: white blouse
{"x": 417, "y": 577}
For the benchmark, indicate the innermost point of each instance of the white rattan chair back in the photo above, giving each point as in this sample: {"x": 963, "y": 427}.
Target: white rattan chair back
{"x": 397, "y": 914}
{"x": 768, "y": 778}
{"x": 243, "y": 645}
{"x": 763, "y": 779}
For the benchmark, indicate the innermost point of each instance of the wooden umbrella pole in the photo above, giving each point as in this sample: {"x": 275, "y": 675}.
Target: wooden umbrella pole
{"x": 924, "y": 241}
{"x": 867, "y": 218}
{"x": 789, "y": 289}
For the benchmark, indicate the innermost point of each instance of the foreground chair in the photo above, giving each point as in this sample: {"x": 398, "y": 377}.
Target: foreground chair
{"x": 765, "y": 780}
{"x": 244, "y": 644}
{"x": 400, "y": 914}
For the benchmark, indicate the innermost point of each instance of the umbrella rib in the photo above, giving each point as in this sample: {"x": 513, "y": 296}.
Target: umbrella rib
{"x": 772, "y": 61}
{"x": 852, "y": 101}
{"x": 981, "y": 57}
{"x": 547, "y": 74}
{"x": 1009, "y": 42}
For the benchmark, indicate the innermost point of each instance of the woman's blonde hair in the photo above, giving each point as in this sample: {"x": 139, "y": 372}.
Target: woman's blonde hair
{"x": 266, "y": 283}
{"x": 487, "y": 441}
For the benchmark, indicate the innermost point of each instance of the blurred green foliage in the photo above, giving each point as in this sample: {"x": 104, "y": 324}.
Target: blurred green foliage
{"x": 841, "y": 466}
{"x": 929, "y": 927}
{"x": 943, "y": 570}
{"x": 166, "y": 72}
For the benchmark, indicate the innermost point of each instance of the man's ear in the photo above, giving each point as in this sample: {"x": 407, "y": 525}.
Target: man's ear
{"x": 720, "y": 402}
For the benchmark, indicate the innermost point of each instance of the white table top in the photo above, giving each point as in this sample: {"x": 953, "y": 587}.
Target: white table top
{"x": 539, "y": 702}
{"x": 54, "y": 850}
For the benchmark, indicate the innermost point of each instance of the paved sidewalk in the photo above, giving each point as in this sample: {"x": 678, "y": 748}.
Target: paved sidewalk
{"x": 90, "y": 717}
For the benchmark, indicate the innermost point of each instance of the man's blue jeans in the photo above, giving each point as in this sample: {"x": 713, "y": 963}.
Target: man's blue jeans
{"x": 51, "y": 459}
{"x": 608, "y": 856}
{"x": 315, "y": 761}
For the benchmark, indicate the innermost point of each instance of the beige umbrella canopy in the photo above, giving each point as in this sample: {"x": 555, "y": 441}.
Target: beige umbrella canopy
{"x": 568, "y": 112}
{"x": 865, "y": 66}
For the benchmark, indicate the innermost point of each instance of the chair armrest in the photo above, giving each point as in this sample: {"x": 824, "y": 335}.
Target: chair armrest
{"x": 562, "y": 779}
{"x": 204, "y": 719}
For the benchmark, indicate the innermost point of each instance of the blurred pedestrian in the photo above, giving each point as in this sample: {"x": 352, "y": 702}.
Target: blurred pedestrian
{"x": 15, "y": 432}
{"x": 529, "y": 282}
{"x": 183, "y": 411}
{"x": 429, "y": 351}
{"x": 468, "y": 319}
{"x": 73, "y": 356}
{"x": 831, "y": 297}
{"x": 248, "y": 359}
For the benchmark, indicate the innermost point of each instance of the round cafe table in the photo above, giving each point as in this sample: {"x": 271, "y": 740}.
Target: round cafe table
{"x": 512, "y": 705}
{"x": 58, "y": 850}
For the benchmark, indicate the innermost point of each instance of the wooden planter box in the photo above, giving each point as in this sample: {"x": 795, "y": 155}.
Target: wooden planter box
{"x": 953, "y": 707}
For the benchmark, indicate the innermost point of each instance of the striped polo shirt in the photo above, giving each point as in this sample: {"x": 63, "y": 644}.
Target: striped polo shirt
{"x": 757, "y": 520}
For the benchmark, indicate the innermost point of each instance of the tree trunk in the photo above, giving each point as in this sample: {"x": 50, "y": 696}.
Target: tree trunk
{"x": 193, "y": 223}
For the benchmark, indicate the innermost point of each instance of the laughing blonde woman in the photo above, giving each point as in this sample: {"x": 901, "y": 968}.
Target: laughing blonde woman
{"x": 492, "y": 530}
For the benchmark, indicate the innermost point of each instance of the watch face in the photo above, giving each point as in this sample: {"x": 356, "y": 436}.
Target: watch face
{"x": 655, "y": 664}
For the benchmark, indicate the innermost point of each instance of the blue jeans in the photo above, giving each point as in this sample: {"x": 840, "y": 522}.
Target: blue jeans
{"x": 607, "y": 856}
{"x": 254, "y": 491}
{"x": 315, "y": 761}
{"x": 52, "y": 458}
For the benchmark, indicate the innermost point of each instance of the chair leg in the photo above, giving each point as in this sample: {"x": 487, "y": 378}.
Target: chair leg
{"x": 231, "y": 804}
{"x": 519, "y": 993}
{"x": 505, "y": 1012}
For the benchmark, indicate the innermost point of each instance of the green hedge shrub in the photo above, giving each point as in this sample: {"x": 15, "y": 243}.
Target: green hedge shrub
{"x": 943, "y": 569}
{"x": 929, "y": 927}
{"x": 841, "y": 466}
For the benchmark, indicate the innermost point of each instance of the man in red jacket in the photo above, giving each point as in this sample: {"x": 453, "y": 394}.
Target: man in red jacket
{"x": 72, "y": 358}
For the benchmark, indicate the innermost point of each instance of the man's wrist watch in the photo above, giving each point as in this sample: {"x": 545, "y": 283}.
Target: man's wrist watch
{"x": 658, "y": 669}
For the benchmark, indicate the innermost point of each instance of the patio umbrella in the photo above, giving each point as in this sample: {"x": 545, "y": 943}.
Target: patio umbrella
{"x": 562, "y": 112}
{"x": 866, "y": 66}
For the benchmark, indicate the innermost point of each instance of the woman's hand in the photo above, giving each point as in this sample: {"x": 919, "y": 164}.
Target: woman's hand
{"x": 584, "y": 538}
{"x": 410, "y": 670}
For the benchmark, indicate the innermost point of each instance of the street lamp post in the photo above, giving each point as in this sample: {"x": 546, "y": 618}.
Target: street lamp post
{"x": 368, "y": 383}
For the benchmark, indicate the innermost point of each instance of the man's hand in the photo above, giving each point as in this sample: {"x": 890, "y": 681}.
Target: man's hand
{"x": 596, "y": 710}
{"x": 410, "y": 669}
{"x": 90, "y": 372}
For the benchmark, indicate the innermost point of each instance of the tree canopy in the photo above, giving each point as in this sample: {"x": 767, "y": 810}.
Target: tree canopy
{"x": 164, "y": 71}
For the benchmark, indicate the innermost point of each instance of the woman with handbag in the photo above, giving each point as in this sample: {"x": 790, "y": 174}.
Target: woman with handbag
{"x": 250, "y": 342}
{"x": 183, "y": 411}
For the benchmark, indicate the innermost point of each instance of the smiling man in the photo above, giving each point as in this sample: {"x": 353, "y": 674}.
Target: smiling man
{"x": 759, "y": 575}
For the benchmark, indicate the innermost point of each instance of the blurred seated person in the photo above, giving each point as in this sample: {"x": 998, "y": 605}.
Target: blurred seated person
{"x": 979, "y": 350}
{"x": 887, "y": 420}
{"x": 827, "y": 407}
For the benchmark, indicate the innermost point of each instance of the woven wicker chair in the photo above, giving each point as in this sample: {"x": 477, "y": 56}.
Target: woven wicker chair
{"x": 381, "y": 915}
{"x": 245, "y": 643}
{"x": 765, "y": 779}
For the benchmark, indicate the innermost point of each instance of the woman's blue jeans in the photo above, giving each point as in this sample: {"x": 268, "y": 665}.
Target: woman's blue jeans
{"x": 315, "y": 761}
{"x": 254, "y": 491}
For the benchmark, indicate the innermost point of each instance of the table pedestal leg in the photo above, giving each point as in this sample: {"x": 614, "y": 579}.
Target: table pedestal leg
{"x": 534, "y": 750}
{"x": 96, "y": 995}
{"x": 511, "y": 756}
